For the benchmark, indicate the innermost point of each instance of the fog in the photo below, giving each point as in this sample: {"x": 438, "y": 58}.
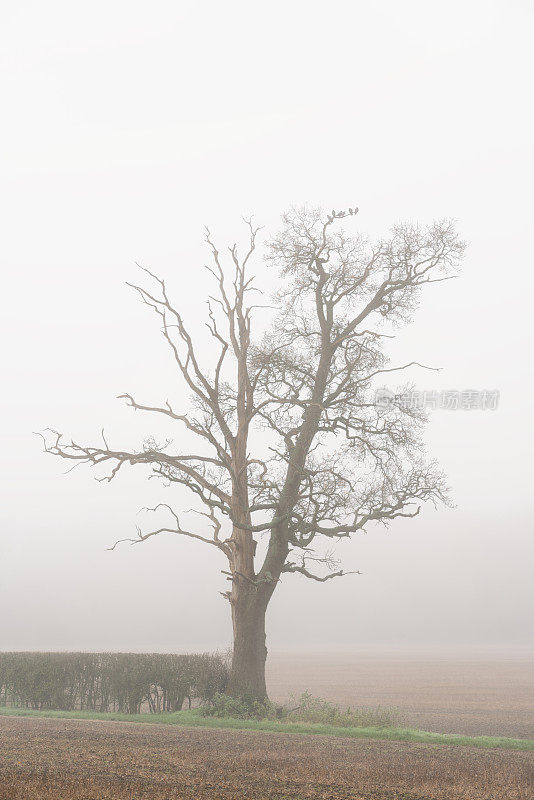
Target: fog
{"x": 126, "y": 128}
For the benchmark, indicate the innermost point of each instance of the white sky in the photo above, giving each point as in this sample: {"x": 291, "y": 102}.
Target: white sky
{"x": 126, "y": 127}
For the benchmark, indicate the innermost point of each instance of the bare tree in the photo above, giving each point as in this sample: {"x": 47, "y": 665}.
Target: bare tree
{"x": 330, "y": 460}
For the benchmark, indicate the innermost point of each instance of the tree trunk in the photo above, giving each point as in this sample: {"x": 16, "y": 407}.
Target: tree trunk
{"x": 247, "y": 676}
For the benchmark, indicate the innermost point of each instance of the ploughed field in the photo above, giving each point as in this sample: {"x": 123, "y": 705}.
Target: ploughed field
{"x": 484, "y": 695}
{"x": 61, "y": 759}
{"x": 64, "y": 759}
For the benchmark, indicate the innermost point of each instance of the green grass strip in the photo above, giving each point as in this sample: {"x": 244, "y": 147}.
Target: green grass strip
{"x": 194, "y": 719}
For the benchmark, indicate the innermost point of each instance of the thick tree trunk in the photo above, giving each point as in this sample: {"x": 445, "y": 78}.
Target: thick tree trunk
{"x": 247, "y": 677}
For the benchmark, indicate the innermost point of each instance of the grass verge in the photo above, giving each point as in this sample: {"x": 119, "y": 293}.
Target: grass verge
{"x": 194, "y": 719}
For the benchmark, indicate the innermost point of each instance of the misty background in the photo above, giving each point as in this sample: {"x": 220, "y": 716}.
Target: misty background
{"x": 127, "y": 127}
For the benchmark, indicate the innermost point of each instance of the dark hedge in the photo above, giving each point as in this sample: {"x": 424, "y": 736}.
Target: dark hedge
{"x": 121, "y": 682}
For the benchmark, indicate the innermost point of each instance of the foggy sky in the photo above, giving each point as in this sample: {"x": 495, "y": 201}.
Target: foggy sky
{"x": 126, "y": 128}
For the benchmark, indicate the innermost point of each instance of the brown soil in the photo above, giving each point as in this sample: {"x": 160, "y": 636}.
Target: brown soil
{"x": 45, "y": 759}
{"x": 474, "y": 696}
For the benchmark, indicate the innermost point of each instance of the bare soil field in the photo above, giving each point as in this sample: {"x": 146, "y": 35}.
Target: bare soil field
{"x": 474, "y": 696}
{"x": 59, "y": 759}
{"x": 45, "y": 759}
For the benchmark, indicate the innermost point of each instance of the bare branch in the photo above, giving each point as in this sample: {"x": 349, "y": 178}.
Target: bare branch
{"x": 302, "y": 570}
{"x": 95, "y": 456}
{"x": 142, "y": 537}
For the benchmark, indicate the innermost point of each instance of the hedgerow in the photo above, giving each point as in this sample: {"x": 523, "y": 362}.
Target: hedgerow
{"x": 120, "y": 682}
